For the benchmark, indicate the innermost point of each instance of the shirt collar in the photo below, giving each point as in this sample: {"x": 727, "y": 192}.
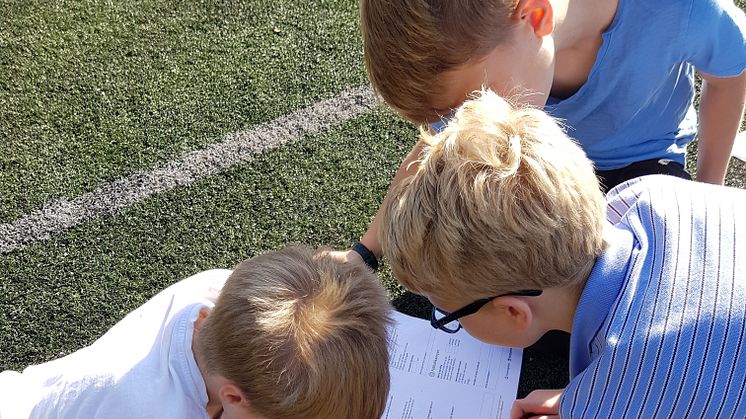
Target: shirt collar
{"x": 182, "y": 362}
{"x": 601, "y": 290}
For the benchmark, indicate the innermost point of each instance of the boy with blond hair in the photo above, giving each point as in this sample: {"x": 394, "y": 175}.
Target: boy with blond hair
{"x": 504, "y": 229}
{"x": 293, "y": 334}
{"x": 620, "y": 74}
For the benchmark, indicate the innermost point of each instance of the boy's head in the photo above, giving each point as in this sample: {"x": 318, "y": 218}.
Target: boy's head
{"x": 425, "y": 56}
{"x": 502, "y": 201}
{"x": 300, "y": 334}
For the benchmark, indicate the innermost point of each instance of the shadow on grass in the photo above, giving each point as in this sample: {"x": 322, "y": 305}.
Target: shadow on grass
{"x": 412, "y": 305}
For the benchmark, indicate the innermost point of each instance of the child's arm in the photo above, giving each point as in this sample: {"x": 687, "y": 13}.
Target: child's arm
{"x": 370, "y": 238}
{"x": 538, "y": 404}
{"x": 720, "y": 112}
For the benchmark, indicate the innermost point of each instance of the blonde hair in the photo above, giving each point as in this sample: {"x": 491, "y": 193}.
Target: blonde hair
{"x": 408, "y": 44}
{"x": 503, "y": 200}
{"x": 303, "y": 335}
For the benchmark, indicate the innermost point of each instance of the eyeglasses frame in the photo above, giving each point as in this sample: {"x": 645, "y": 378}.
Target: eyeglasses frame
{"x": 472, "y": 308}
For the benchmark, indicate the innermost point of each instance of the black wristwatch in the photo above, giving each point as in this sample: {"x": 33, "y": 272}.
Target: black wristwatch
{"x": 368, "y": 257}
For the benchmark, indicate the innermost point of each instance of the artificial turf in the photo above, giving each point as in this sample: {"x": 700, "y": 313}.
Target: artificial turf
{"x": 59, "y": 295}
{"x": 93, "y": 90}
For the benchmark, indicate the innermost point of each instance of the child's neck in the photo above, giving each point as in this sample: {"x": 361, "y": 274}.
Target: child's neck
{"x": 579, "y": 25}
{"x": 561, "y": 314}
{"x": 558, "y": 309}
{"x": 577, "y": 21}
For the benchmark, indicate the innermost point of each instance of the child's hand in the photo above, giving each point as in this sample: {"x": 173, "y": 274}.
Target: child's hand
{"x": 346, "y": 256}
{"x": 539, "y": 404}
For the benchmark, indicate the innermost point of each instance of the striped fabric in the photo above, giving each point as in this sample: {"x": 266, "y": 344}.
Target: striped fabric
{"x": 660, "y": 329}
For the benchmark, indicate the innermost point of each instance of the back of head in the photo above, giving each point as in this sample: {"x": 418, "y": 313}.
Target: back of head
{"x": 409, "y": 43}
{"x": 502, "y": 201}
{"x": 303, "y": 335}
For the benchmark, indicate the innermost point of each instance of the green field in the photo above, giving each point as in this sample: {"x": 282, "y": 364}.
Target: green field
{"x": 93, "y": 91}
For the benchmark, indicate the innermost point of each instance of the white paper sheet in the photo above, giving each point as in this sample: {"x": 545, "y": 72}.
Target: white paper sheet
{"x": 436, "y": 375}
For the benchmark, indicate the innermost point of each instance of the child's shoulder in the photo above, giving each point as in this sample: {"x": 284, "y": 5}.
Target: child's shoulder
{"x": 657, "y": 207}
{"x": 640, "y": 192}
{"x": 206, "y": 285}
{"x": 664, "y": 185}
{"x": 687, "y": 14}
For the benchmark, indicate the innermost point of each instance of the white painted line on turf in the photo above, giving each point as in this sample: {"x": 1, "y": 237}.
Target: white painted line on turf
{"x": 60, "y": 215}
{"x": 739, "y": 147}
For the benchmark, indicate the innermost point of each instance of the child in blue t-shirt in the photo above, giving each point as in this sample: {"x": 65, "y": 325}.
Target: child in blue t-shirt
{"x": 618, "y": 73}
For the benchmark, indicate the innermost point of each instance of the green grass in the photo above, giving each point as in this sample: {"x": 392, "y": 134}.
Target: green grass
{"x": 64, "y": 293}
{"x": 93, "y": 90}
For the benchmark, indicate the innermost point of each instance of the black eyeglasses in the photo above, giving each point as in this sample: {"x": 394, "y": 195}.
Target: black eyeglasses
{"x": 448, "y": 322}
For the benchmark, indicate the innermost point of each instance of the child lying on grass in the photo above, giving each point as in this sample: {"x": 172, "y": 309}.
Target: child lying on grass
{"x": 294, "y": 333}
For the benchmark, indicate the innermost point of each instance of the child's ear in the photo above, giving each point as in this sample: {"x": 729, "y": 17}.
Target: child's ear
{"x": 235, "y": 403}
{"x": 516, "y": 311}
{"x": 230, "y": 394}
{"x": 537, "y": 13}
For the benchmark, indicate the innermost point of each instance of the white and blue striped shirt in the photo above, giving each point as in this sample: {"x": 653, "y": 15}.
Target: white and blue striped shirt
{"x": 660, "y": 328}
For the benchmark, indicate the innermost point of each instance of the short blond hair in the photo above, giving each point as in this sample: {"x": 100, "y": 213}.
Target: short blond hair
{"x": 303, "y": 334}
{"x": 408, "y": 44}
{"x": 503, "y": 200}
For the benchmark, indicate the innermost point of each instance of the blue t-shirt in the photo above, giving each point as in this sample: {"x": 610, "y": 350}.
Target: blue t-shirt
{"x": 637, "y": 103}
{"x": 660, "y": 328}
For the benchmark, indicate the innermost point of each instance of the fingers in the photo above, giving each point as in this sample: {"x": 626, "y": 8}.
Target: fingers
{"x": 538, "y": 404}
{"x": 346, "y": 256}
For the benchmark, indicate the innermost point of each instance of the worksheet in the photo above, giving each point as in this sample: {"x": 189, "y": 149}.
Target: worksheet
{"x": 448, "y": 376}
